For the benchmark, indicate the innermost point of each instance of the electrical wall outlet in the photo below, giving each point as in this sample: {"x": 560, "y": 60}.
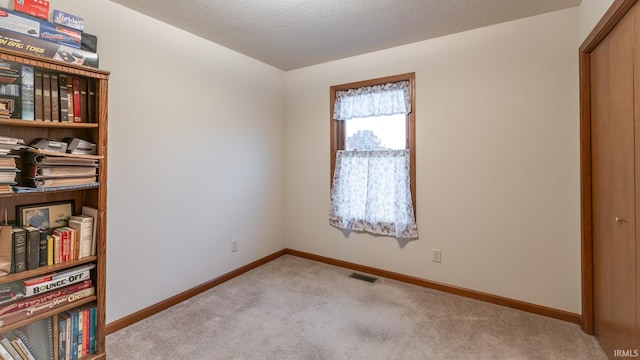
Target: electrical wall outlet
{"x": 234, "y": 245}
{"x": 437, "y": 255}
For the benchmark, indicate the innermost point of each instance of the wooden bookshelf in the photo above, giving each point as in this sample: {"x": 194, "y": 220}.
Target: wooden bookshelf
{"x": 94, "y": 196}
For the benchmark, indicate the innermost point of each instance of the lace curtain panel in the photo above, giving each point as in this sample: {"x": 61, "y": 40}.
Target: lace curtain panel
{"x": 385, "y": 99}
{"x": 371, "y": 192}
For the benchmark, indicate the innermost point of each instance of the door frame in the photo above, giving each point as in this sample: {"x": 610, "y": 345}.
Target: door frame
{"x": 616, "y": 12}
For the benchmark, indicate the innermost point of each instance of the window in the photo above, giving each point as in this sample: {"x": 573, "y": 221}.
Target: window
{"x": 372, "y": 138}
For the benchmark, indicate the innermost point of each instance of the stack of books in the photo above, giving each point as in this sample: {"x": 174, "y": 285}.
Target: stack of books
{"x": 46, "y": 169}
{"x": 77, "y": 333}
{"x": 33, "y": 247}
{"x": 63, "y": 39}
{"x": 8, "y": 90}
{"x": 16, "y": 345}
{"x": 8, "y": 169}
{"x": 47, "y": 292}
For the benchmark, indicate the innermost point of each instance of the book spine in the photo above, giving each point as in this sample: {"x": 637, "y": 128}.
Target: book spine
{"x": 19, "y": 348}
{"x": 55, "y": 101}
{"x": 87, "y": 237}
{"x": 7, "y": 345}
{"x": 50, "y": 349}
{"x": 43, "y": 248}
{"x": 62, "y": 331}
{"x": 76, "y": 244}
{"x": 4, "y": 353}
{"x": 33, "y": 249}
{"x": 27, "y": 344}
{"x": 56, "y": 283}
{"x": 53, "y": 304}
{"x": 64, "y": 242}
{"x": 84, "y": 235}
{"x": 92, "y": 330}
{"x": 84, "y": 98}
{"x": 91, "y": 101}
{"x": 87, "y": 331}
{"x": 9, "y": 90}
{"x": 38, "y": 280}
{"x": 89, "y": 211}
{"x": 74, "y": 336}
{"x": 70, "y": 110}
{"x": 50, "y": 249}
{"x": 20, "y": 251}
{"x": 57, "y": 249}
{"x": 64, "y": 98}
{"x": 80, "y": 335}
{"x": 67, "y": 345}
{"x": 37, "y": 88}
{"x": 76, "y": 100}
{"x": 25, "y": 350}
{"x": 46, "y": 96}
{"x": 27, "y": 86}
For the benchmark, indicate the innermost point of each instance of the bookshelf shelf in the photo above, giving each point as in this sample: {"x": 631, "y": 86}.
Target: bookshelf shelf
{"x": 93, "y": 96}
{"x": 47, "y": 314}
{"x": 50, "y": 190}
{"x": 46, "y": 269}
{"x": 47, "y": 124}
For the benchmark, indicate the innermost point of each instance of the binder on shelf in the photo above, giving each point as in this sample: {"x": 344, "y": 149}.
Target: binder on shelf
{"x": 46, "y": 144}
{"x": 64, "y": 98}
{"x": 51, "y": 171}
{"x": 46, "y": 96}
{"x": 37, "y": 88}
{"x": 84, "y": 106}
{"x": 57, "y": 182}
{"x": 91, "y": 101}
{"x": 77, "y": 107}
{"x": 70, "y": 109}
{"x": 27, "y": 87}
{"x": 79, "y": 146}
{"x": 43, "y": 157}
{"x": 55, "y": 101}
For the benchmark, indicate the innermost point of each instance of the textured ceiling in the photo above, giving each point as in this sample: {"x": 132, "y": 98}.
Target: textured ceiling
{"x": 291, "y": 34}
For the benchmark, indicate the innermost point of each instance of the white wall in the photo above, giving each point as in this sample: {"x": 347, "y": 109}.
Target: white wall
{"x": 591, "y": 12}
{"x": 497, "y": 160}
{"x": 196, "y": 156}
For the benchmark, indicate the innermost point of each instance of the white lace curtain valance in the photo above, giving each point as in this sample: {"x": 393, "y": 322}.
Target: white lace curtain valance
{"x": 378, "y": 100}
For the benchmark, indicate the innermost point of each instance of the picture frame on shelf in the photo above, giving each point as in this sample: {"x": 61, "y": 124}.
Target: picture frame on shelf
{"x": 45, "y": 216}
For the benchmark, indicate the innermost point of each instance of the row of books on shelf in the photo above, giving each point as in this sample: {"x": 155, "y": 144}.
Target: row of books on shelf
{"x": 77, "y": 333}
{"x": 32, "y": 248}
{"x": 31, "y": 94}
{"x": 76, "y": 337}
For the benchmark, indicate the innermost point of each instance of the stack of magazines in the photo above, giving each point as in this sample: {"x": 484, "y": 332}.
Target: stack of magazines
{"x": 46, "y": 169}
{"x": 8, "y": 169}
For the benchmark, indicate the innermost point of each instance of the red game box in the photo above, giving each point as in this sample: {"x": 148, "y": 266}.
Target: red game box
{"x": 37, "y": 8}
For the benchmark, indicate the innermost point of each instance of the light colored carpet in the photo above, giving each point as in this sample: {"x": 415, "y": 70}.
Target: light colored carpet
{"x": 293, "y": 308}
